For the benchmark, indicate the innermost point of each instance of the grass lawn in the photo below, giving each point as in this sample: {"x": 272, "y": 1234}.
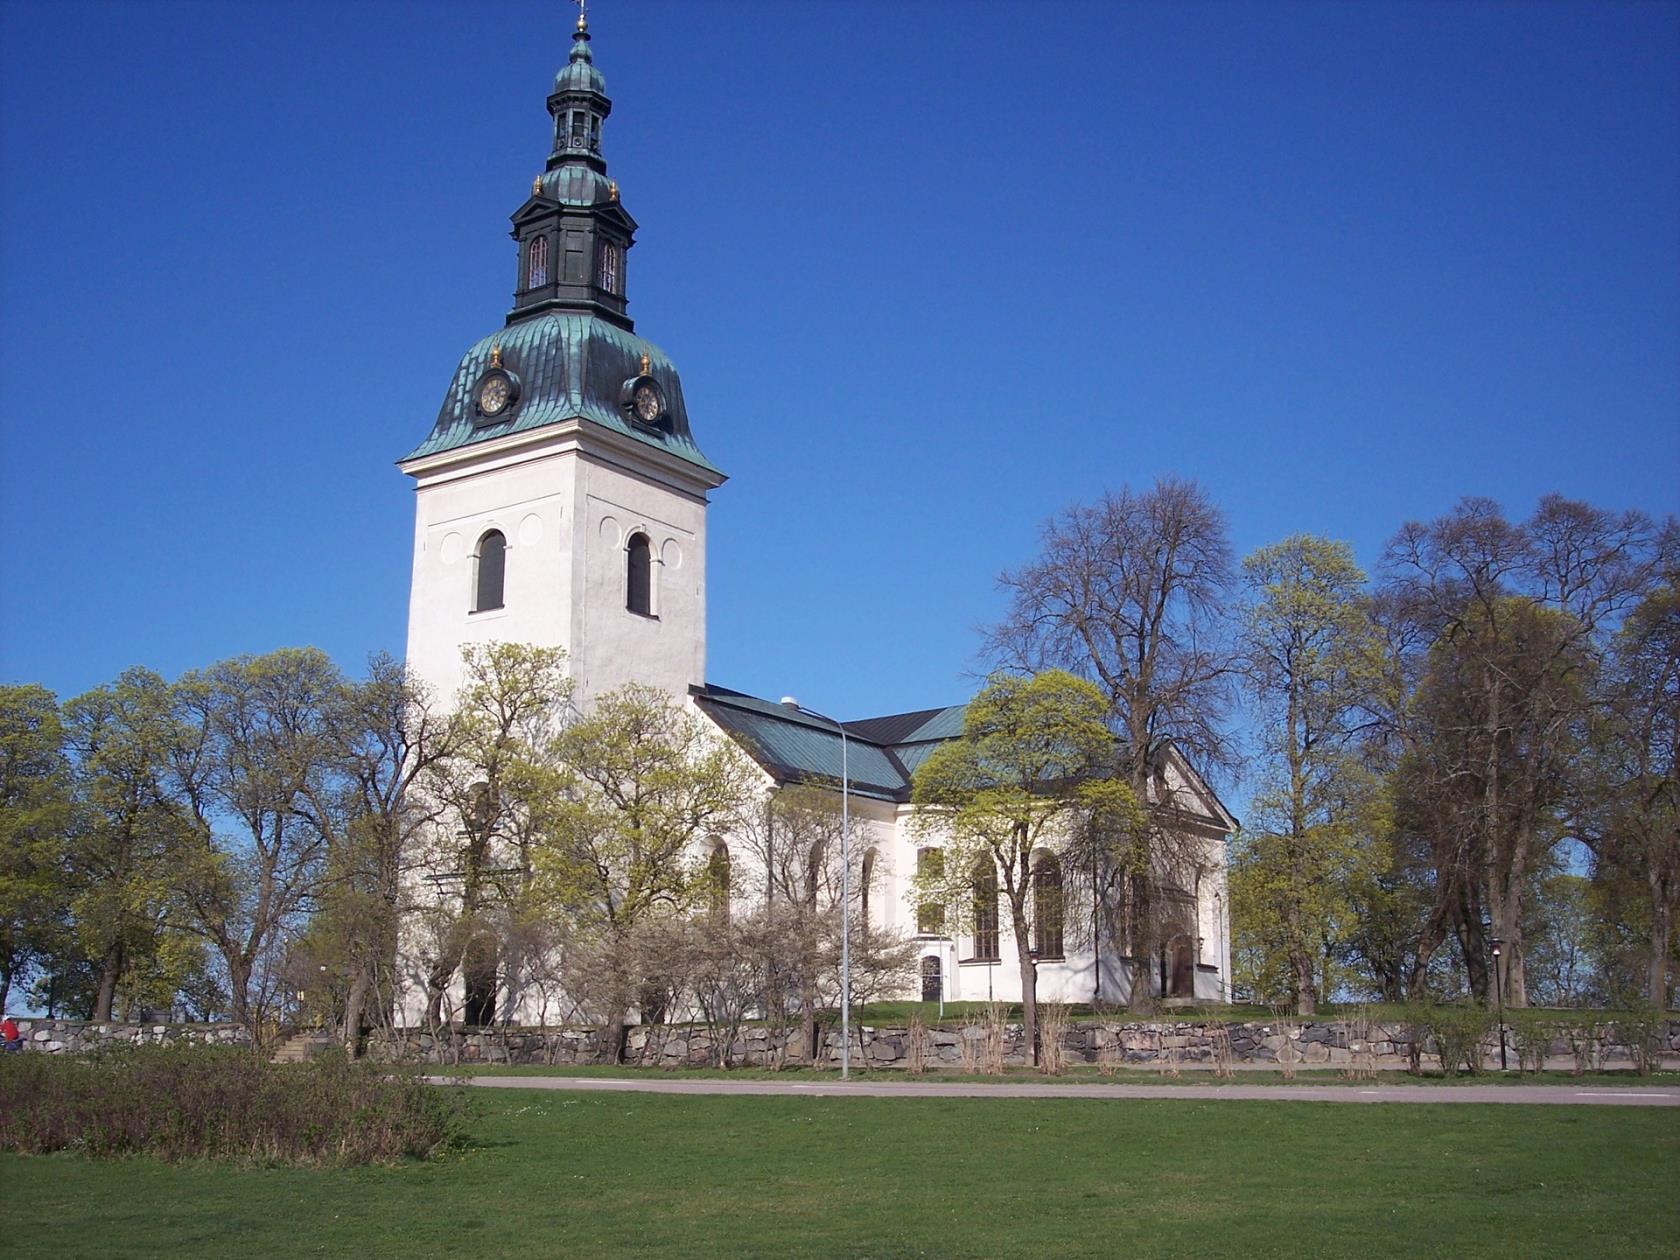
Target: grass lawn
{"x": 555, "y": 1174}
{"x": 1085, "y": 1074}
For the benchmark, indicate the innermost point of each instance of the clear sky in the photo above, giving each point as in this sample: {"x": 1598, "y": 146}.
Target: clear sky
{"x": 930, "y": 271}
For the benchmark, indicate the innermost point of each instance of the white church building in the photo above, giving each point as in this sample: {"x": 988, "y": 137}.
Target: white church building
{"x": 561, "y": 501}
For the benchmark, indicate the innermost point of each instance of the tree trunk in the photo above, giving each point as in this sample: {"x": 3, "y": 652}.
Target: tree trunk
{"x": 1662, "y": 926}
{"x": 1141, "y": 1000}
{"x": 1029, "y": 986}
{"x": 1306, "y": 981}
{"x": 353, "y": 1007}
{"x": 1434, "y": 932}
{"x": 110, "y": 971}
{"x": 437, "y": 988}
{"x": 617, "y": 1031}
{"x": 239, "y": 990}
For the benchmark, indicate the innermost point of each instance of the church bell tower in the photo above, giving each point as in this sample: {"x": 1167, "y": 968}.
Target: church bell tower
{"x": 560, "y": 497}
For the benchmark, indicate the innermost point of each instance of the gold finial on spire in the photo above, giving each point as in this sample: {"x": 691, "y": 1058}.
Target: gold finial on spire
{"x": 536, "y": 186}
{"x": 645, "y": 364}
{"x": 612, "y": 189}
{"x": 496, "y": 353}
{"x": 583, "y": 17}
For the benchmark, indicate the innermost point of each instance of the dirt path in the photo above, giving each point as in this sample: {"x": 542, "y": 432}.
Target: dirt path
{"x": 1612, "y": 1096}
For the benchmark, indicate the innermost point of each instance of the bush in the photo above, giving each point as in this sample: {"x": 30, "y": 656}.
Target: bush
{"x": 1642, "y": 1030}
{"x": 1536, "y": 1035}
{"x": 1457, "y": 1032}
{"x": 225, "y": 1103}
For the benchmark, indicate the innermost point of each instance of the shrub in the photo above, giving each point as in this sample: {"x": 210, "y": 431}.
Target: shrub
{"x": 1642, "y": 1031}
{"x": 916, "y": 1046}
{"x": 1535, "y": 1037}
{"x": 1457, "y": 1032}
{"x": 1052, "y": 1034}
{"x": 225, "y": 1103}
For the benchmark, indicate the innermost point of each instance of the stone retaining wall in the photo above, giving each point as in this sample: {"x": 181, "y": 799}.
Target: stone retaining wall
{"x": 1155, "y": 1044}
{"x": 1311, "y": 1044}
{"x": 75, "y": 1036}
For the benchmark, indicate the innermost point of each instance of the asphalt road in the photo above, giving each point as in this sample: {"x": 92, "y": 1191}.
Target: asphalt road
{"x": 1553, "y": 1095}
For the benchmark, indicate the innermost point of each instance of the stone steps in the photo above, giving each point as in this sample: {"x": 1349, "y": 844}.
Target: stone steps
{"x": 302, "y": 1045}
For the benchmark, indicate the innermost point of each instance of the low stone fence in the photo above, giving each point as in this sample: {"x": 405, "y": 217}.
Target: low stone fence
{"x": 1592, "y": 1042}
{"x": 76, "y": 1036}
{"x": 1387, "y": 1045}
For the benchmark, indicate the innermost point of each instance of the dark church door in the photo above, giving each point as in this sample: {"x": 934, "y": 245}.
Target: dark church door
{"x": 930, "y": 978}
{"x": 1183, "y": 969}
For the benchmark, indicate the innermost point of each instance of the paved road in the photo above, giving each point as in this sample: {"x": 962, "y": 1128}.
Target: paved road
{"x": 1612, "y": 1096}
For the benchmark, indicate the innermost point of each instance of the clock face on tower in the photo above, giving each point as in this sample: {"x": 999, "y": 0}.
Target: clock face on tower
{"x": 642, "y": 399}
{"x": 647, "y": 402}
{"x": 493, "y": 396}
{"x": 496, "y": 393}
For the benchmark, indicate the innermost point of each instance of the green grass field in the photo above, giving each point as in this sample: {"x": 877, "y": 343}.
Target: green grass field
{"x": 556, "y": 1174}
{"x": 1087, "y": 1074}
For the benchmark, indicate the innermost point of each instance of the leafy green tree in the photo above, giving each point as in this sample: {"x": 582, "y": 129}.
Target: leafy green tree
{"x": 1311, "y": 660}
{"x": 1031, "y": 769}
{"x": 259, "y": 749}
{"x": 35, "y": 804}
{"x": 132, "y": 834}
{"x": 503, "y": 740}
{"x": 619, "y": 820}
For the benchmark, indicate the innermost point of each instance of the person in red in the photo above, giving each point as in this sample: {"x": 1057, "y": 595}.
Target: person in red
{"x": 10, "y": 1037}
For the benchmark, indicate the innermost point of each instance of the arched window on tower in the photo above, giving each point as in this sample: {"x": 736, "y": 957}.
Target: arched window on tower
{"x": 489, "y": 568}
{"x": 986, "y": 911}
{"x": 638, "y": 586}
{"x": 536, "y": 263}
{"x": 1047, "y": 906}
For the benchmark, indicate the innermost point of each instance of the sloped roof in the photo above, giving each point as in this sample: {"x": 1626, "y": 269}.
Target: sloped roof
{"x": 570, "y": 365}
{"x": 794, "y": 747}
{"x": 882, "y": 753}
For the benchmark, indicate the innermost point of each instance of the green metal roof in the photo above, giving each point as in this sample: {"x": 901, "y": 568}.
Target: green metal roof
{"x": 795, "y": 747}
{"x": 570, "y": 365}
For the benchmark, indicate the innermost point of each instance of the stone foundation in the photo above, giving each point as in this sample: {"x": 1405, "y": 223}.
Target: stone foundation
{"x": 1387, "y": 1046}
{"x": 77, "y": 1036}
{"x": 1160, "y": 1045}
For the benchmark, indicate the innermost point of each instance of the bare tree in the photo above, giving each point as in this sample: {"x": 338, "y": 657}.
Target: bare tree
{"x": 1515, "y": 619}
{"x": 1131, "y": 593}
{"x": 384, "y": 737}
{"x": 1632, "y": 798}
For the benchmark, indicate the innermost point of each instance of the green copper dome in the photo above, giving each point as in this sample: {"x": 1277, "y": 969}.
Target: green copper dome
{"x": 579, "y": 73}
{"x": 569, "y": 365}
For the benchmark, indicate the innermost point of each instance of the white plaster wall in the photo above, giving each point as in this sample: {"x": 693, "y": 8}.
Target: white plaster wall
{"x": 614, "y": 645}
{"x": 567, "y": 509}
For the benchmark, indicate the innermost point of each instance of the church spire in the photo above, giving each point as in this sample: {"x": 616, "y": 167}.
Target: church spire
{"x": 572, "y": 232}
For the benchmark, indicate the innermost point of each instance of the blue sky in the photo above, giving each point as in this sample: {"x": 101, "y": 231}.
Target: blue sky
{"x": 931, "y": 272}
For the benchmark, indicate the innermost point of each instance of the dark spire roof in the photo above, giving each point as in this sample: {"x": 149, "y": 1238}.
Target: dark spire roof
{"x": 569, "y": 346}
{"x": 579, "y": 73}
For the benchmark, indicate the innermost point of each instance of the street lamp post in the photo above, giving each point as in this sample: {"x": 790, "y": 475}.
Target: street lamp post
{"x": 789, "y": 702}
{"x": 1499, "y": 998}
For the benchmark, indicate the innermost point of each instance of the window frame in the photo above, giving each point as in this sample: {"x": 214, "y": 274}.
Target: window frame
{"x": 646, "y": 584}
{"x": 1049, "y": 926}
{"x": 479, "y": 605}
